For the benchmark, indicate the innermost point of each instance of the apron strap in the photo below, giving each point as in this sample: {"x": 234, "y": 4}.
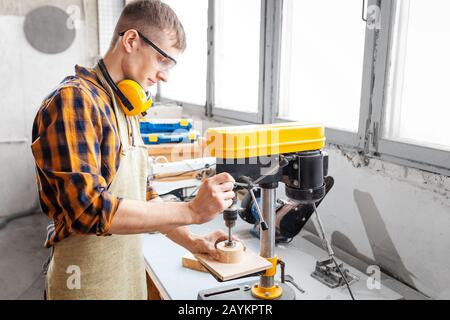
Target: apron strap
{"x": 123, "y": 123}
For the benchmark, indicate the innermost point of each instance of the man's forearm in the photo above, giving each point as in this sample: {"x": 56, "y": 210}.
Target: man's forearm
{"x": 184, "y": 238}
{"x": 134, "y": 217}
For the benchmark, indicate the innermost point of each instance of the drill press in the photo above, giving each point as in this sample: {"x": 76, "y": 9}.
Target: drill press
{"x": 262, "y": 156}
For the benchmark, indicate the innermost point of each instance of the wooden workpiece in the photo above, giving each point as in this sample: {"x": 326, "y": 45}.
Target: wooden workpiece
{"x": 190, "y": 262}
{"x": 232, "y": 254}
{"x": 249, "y": 263}
{"x": 226, "y": 255}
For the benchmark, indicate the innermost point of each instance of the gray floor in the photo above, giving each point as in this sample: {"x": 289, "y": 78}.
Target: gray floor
{"x": 22, "y": 255}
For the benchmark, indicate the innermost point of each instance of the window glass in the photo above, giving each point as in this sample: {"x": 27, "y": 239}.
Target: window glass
{"x": 322, "y": 62}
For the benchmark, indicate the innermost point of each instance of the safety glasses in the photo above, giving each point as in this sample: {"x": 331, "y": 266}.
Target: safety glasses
{"x": 165, "y": 64}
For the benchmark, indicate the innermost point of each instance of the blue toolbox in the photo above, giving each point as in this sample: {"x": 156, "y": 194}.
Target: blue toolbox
{"x": 164, "y": 137}
{"x": 149, "y": 126}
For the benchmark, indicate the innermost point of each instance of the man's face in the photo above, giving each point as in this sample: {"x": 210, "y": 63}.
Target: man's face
{"x": 144, "y": 63}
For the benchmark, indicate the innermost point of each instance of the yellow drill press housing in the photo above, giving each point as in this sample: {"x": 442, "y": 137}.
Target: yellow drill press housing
{"x": 264, "y": 140}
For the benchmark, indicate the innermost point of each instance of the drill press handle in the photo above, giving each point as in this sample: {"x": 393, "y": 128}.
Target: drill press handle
{"x": 263, "y": 224}
{"x": 249, "y": 185}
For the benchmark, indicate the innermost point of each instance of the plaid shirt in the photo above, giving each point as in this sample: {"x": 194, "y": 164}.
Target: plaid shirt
{"x": 76, "y": 146}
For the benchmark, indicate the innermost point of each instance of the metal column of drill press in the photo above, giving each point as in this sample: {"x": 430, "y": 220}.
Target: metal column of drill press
{"x": 267, "y": 155}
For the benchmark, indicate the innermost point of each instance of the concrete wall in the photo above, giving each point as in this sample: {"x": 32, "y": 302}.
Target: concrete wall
{"x": 27, "y": 77}
{"x": 387, "y": 215}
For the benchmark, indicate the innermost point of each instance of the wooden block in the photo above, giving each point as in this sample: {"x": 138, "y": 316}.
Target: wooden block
{"x": 230, "y": 254}
{"x": 178, "y": 151}
{"x": 250, "y": 263}
{"x": 190, "y": 262}
{"x": 175, "y": 177}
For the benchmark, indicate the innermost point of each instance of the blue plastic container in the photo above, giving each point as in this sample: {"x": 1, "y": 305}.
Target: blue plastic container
{"x": 149, "y": 126}
{"x": 164, "y": 137}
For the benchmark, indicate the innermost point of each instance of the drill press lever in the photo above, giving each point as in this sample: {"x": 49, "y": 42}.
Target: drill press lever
{"x": 249, "y": 185}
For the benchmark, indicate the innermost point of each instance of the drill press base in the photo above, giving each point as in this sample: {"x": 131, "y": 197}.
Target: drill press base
{"x": 241, "y": 291}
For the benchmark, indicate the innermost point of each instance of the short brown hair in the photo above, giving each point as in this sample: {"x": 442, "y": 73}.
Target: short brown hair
{"x": 151, "y": 17}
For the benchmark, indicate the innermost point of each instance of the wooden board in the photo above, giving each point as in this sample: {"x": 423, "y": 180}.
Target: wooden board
{"x": 176, "y": 177}
{"x": 190, "y": 262}
{"x": 178, "y": 151}
{"x": 251, "y": 263}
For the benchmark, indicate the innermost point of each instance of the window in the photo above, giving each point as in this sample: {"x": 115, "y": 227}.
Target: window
{"x": 322, "y": 62}
{"x": 418, "y": 104}
{"x": 237, "y": 55}
{"x": 378, "y": 86}
{"x": 187, "y": 81}
{"x": 108, "y": 15}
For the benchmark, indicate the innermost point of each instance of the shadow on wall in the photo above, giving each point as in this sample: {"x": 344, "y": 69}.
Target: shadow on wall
{"x": 383, "y": 248}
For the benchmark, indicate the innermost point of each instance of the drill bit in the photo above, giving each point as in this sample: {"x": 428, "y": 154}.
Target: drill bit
{"x": 230, "y": 242}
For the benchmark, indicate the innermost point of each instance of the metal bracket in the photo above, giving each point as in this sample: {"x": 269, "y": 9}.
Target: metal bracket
{"x": 372, "y": 136}
{"x": 328, "y": 274}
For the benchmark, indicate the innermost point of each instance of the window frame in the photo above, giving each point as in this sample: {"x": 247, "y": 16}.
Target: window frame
{"x": 368, "y": 141}
{"x": 221, "y": 113}
{"x": 420, "y": 156}
{"x": 339, "y": 136}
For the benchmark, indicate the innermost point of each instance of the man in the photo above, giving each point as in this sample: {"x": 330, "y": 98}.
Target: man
{"x": 91, "y": 172}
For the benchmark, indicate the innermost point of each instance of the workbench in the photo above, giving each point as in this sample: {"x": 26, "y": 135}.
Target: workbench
{"x": 167, "y": 278}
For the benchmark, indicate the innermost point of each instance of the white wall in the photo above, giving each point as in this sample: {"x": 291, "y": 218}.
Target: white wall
{"x": 27, "y": 76}
{"x": 392, "y": 216}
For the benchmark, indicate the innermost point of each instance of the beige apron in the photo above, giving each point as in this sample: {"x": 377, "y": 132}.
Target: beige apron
{"x": 110, "y": 268}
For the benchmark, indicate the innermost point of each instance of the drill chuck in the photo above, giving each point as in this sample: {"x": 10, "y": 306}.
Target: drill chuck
{"x": 230, "y": 216}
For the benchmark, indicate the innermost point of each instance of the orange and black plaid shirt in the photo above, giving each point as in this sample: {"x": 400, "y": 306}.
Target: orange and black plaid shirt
{"x": 76, "y": 146}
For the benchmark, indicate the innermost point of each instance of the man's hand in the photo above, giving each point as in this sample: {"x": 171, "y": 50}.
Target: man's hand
{"x": 215, "y": 195}
{"x": 206, "y": 244}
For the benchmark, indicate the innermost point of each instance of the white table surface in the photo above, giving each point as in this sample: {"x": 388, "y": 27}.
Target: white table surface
{"x": 163, "y": 261}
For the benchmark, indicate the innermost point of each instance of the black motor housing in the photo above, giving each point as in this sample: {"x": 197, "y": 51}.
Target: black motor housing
{"x": 304, "y": 176}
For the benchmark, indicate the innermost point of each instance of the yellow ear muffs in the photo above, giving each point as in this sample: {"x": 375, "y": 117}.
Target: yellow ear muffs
{"x": 134, "y": 100}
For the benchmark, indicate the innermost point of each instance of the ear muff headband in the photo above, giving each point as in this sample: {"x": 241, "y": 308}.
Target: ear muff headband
{"x": 128, "y": 90}
{"x": 113, "y": 85}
